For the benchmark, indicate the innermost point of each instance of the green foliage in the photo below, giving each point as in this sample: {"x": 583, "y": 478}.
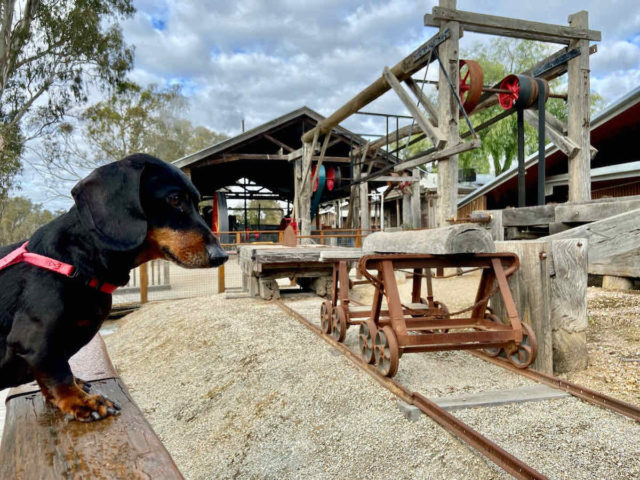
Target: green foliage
{"x": 267, "y": 217}
{"x": 51, "y": 52}
{"x": 19, "y": 218}
{"x": 133, "y": 119}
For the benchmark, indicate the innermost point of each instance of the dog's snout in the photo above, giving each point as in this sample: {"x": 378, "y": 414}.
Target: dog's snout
{"x": 217, "y": 256}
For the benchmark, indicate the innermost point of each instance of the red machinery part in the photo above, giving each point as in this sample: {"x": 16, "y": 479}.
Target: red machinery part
{"x": 313, "y": 172}
{"x": 331, "y": 178}
{"x": 523, "y": 92}
{"x": 471, "y": 82}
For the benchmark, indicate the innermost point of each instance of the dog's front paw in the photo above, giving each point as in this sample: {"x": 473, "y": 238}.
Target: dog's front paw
{"x": 84, "y": 385}
{"x": 78, "y": 405}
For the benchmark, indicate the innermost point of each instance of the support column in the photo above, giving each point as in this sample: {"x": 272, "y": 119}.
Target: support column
{"x": 365, "y": 212}
{"x": 406, "y": 210}
{"x": 448, "y": 120}
{"x": 579, "y": 117}
{"x": 303, "y": 192}
{"x": 416, "y": 213}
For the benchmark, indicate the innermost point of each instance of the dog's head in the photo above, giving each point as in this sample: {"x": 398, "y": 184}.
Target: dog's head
{"x": 142, "y": 203}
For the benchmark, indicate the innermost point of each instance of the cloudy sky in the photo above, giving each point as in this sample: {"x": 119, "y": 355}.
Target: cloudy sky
{"x": 255, "y": 60}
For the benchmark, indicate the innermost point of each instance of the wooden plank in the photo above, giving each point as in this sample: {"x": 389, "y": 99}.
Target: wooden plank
{"x": 402, "y": 70}
{"x": 386, "y": 178}
{"x": 609, "y": 237}
{"x": 565, "y": 144}
{"x": 38, "y": 443}
{"x": 455, "y": 239}
{"x": 531, "y": 289}
{"x": 511, "y": 27}
{"x": 440, "y": 155}
{"x": 626, "y": 264}
{"x": 433, "y": 132}
{"x": 569, "y": 320}
{"x": 144, "y": 283}
{"x": 593, "y": 211}
{"x": 579, "y": 106}
{"x": 496, "y": 398}
{"x": 528, "y": 216}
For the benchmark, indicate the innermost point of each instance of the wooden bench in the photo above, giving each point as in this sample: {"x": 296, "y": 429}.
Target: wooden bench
{"x": 38, "y": 443}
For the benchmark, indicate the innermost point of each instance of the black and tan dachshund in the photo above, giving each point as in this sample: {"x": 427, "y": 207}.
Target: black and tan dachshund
{"x": 125, "y": 213}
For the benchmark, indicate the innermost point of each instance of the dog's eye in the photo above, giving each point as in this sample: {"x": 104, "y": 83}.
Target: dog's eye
{"x": 174, "y": 199}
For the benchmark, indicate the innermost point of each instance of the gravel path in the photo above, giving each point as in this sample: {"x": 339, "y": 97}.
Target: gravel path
{"x": 238, "y": 389}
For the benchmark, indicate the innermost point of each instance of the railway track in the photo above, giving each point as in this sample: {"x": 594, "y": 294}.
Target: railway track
{"x": 459, "y": 429}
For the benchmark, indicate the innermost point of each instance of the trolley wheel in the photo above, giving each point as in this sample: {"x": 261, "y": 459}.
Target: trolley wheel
{"x": 526, "y": 351}
{"x": 386, "y": 351}
{"x": 325, "y": 316}
{"x": 470, "y": 87}
{"x": 366, "y": 338}
{"x": 493, "y": 351}
{"x": 338, "y": 323}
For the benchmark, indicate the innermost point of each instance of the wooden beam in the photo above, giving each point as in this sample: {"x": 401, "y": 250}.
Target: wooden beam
{"x": 448, "y": 119}
{"x": 439, "y": 155}
{"x": 278, "y": 142}
{"x": 265, "y": 157}
{"x": 528, "y": 216}
{"x": 424, "y": 100}
{"x": 423, "y": 122}
{"x": 579, "y": 112}
{"x": 565, "y": 144}
{"x": 511, "y": 27}
{"x": 592, "y": 212}
{"x": 386, "y": 178}
{"x": 402, "y": 70}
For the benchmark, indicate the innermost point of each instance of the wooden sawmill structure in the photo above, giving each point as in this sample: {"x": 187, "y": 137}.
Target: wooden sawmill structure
{"x": 440, "y": 123}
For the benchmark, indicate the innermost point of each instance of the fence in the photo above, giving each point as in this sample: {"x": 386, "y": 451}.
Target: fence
{"x": 162, "y": 280}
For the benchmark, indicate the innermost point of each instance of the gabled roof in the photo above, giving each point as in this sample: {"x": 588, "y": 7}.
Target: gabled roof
{"x": 601, "y": 125}
{"x": 254, "y": 132}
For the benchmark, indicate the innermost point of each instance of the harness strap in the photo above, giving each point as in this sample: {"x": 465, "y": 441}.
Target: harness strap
{"x": 20, "y": 255}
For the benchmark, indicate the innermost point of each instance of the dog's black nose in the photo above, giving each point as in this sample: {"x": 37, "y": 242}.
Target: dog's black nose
{"x": 217, "y": 256}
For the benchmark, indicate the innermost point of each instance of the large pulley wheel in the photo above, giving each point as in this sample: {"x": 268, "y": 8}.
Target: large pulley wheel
{"x": 326, "y": 309}
{"x": 521, "y": 92}
{"x": 492, "y": 351}
{"x": 386, "y": 351}
{"x": 366, "y": 341}
{"x": 338, "y": 323}
{"x": 471, "y": 82}
{"x": 525, "y": 352}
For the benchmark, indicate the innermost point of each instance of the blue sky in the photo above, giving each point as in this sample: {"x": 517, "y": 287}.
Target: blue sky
{"x": 255, "y": 60}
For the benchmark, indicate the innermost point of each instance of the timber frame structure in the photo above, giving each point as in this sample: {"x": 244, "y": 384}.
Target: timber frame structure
{"x": 440, "y": 123}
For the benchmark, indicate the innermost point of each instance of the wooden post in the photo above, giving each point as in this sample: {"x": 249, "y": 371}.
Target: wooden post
{"x": 406, "y": 210}
{"x": 365, "y": 213}
{"x": 531, "y": 288}
{"x": 144, "y": 283}
{"x": 416, "y": 214}
{"x": 398, "y": 217}
{"x": 221, "y": 279}
{"x": 579, "y": 118}
{"x": 448, "y": 120}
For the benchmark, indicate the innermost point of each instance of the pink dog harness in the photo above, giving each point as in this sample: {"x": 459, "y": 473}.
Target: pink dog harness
{"x": 20, "y": 255}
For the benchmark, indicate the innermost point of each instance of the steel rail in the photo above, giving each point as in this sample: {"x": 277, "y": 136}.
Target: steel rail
{"x": 584, "y": 393}
{"x": 460, "y": 430}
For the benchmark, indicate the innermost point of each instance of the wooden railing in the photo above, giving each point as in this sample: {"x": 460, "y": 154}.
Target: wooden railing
{"x": 38, "y": 442}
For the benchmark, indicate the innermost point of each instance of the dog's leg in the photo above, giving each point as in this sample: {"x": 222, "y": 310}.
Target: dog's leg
{"x": 83, "y": 384}
{"x": 61, "y": 390}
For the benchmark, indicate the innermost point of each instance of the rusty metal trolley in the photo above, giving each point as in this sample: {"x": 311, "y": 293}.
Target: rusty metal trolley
{"x": 424, "y": 324}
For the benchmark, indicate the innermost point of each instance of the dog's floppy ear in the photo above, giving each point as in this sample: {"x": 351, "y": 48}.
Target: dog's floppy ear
{"x": 109, "y": 204}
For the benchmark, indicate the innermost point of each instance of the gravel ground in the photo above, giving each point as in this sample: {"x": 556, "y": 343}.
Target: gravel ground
{"x": 238, "y": 389}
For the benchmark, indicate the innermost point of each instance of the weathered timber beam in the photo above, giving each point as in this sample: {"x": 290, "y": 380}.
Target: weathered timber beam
{"x": 423, "y": 122}
{"x": 432, "y": 157}
{"x": 568, "y": 147}
{"x": 528, "y": 216}
{"x": 278, "y": 142}
{"x": 402, "y": 70}
{"x": 388, "y": 178}
{"x": 593, "y": 211}
{"x": 424, "y": 100}
{"x": 510, "y": 27}
{"x": 262, "y": 156}
{"x": 608, "y": 237}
